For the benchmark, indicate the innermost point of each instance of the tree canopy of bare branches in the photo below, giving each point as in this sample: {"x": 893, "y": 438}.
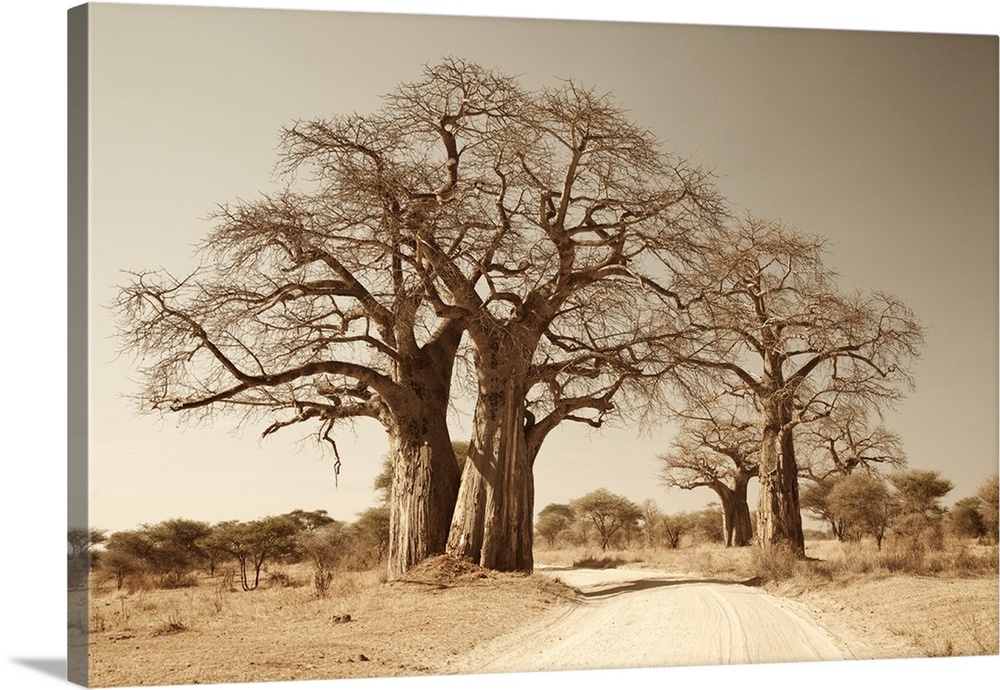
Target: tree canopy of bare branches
{"x": 543, "y": 226}
{"x": 764, "y": 319}
{"x": 717, "y": 447}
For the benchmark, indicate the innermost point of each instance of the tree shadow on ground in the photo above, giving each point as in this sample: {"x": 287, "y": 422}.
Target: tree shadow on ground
{"x": 640, "y": 585}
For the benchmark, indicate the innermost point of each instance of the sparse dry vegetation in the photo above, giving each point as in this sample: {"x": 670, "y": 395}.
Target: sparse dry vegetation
{"x": 362, "y": 627}
{"x": 916, "y": 602}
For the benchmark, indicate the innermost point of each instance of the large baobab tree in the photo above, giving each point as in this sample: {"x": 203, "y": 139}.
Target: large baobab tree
{"x": 312, "y": 308}
{"x": 553, "y": 206}
{"x": 574, "y": 381}
{"x": 717, "y": 448}
{"x": 765, "y": 319}
{"x": 541, "y": 227}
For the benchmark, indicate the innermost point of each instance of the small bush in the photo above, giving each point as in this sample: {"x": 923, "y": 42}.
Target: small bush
{"x": 602, "y": 563}
{"x": 903, "y": 556}
{"x": 773, "y": 563}
{"x": 824, "y": 570}
{"x": 139, "y": 582}
{"x": 229, "y": 579}
{"x": 321, "y": 580}
{"x": 279, "y": 578}
{"x": 176, "y": 580}
{"x": 171, "y": 626}
{"x": 976, "y": 561}
{"x": 932, "y": 536}
{"x": 345, "y": 587}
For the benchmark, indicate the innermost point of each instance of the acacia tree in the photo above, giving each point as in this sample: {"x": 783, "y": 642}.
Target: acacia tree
{"x": 717, "y": 448}
{"x": 918, "y": 494}
{"x": 765, "y": 319}
{"x": 815, "y": 500}
{"x": 324, "y": 546}
{"x": 610, "y": 514}
{"x": 252, "y": 543}
{"x": 966, "y": 518}
{"x": 125, "y": 555}
{"x": 79, "y": 555}
{"x": 862, "y": 504}
{"x": 371, "y": 530}
{"x": 553, "y": 519}
{"x": 989, "y": 495}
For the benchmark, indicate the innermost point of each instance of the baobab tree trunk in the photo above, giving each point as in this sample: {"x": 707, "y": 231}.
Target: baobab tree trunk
{"x": 493, "y": 519}
{"x": 425, "y": 475}
{"x": 736, "y": 513}
{"x": 465, "y": 539}
{"x": 425, "y": 481}
{"x": 779, "y": 520}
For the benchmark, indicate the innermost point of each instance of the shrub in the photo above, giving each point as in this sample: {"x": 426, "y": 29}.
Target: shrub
{"x": 176, "y": 580}
{"x": 604, "y": 562}
{"x": 905, "y": 555}
{"x": 279, "y": 578}
{"x": 773, "y": 563}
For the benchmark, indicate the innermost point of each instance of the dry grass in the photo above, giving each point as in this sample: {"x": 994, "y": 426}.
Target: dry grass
{"x": 703, "y": 560}
{"x": 943, "y": 602}
{"x": 366, "y": 627}
{"x": 363, "y": 627}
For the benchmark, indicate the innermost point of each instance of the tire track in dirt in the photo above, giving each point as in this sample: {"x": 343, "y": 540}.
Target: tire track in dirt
{"x": 635, "y": 619}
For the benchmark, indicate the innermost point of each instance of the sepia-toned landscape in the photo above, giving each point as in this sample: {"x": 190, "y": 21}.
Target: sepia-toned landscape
{"x": 849, "y": 603}
{"x": 465, "y": 364}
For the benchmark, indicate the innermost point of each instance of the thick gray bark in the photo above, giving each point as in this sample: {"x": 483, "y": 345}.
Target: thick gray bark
{"x": 737, "y": 525}
{"x": 493, "y": 519}
{"x": 425, "y": 475}
{"x": 779, "y": 520}
{"x": 424, "y": 485}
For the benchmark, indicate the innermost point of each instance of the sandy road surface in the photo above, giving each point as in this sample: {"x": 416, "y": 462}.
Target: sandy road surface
{"x": 635, "y": 618}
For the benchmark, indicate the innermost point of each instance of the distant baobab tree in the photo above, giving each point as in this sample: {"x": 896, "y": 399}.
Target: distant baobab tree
{"x": 765, "y": 319}
{"x": 717, "y": 447}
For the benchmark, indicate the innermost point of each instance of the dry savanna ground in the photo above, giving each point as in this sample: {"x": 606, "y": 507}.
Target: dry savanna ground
{"x": 443, "y": 610}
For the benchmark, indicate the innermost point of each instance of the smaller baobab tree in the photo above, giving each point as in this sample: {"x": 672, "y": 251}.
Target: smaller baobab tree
{"x": 717, "y": 448}
{"x": 764, "y": 318}
{"x": 846, "y": 439}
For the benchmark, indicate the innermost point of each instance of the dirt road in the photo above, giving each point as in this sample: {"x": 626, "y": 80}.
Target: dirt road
{"x": 636, "y": 618}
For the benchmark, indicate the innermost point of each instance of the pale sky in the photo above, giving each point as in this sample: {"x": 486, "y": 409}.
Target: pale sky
{"x": 885, "y": 143}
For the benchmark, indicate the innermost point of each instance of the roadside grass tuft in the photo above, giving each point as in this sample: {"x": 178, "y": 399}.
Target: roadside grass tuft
{"x": 601, "y": 563}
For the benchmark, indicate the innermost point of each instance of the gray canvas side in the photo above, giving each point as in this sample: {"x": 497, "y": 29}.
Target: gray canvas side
{"x": 77, "y": 345}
